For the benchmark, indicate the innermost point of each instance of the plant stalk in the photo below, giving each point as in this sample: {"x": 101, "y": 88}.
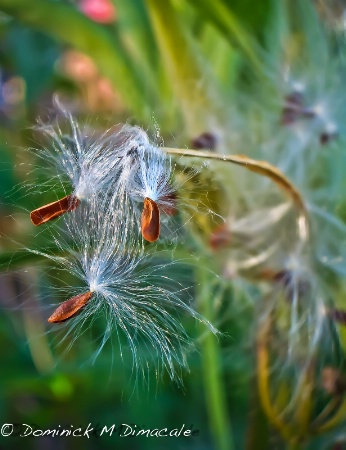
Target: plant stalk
{"x": 214, "y": 387}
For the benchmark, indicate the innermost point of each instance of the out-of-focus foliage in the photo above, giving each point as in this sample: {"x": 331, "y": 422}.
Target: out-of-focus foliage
{"x": 265, "y": 79}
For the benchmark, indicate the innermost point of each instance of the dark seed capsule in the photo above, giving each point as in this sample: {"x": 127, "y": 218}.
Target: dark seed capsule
{"x": 292, "y": 108}
{"x": 53, "y": 210}
{"x": 150, "y": 220}
{"x": 204, "y": 141}
{"x": 338, "y": 315}
{"x": 326, "y": 137}
{"x": 70, "y": 308}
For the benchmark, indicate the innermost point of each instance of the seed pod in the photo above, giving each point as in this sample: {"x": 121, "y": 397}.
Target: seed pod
{"x": 150, "y": 220}
{"x": 53, "y": 210}
{"x": 326, "y": 137}
{"x": 338, "y": 315}
{"x": 292, "y": 108}
{"x": 205, "y": 140}
{"x": 333, "y": 381}
{"x": 70, "y": 308}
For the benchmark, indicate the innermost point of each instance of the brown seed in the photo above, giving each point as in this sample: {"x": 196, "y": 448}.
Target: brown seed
{"x": 150, "y": 220}
{"x": 53, "y": 210}
{"x": 70, "y": 308}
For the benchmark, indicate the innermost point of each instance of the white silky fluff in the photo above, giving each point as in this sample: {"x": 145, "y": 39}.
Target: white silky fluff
{"x": 91, "y": 164}
{"x": 122, "y": 159}
{"x": 152, "y": 176}
{"x": 149, "y": 172}
{"x": 103, "y": 251}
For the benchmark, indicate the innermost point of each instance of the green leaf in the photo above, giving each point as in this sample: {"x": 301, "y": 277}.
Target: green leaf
{"x": 138, "y": 38}
{"x": 222, "y": 16}
{"x": 253, "y": 15}
{"x": 191, "y": 81}
{"x": 27, "y": 46}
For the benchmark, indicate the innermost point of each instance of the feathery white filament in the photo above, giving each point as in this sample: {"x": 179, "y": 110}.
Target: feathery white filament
{"x": 105, "y": 253}
{"x": 90, "y": 163}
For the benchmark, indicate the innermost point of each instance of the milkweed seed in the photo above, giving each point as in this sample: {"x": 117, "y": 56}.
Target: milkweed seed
{"x": 150, "y": 220}
{"x": 70, "y": 308}
{"x": 53, "y": 210}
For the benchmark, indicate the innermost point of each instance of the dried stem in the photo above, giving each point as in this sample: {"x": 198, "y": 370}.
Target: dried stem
{"x": 263, "y": 380}
{"x": 262, "y": 168}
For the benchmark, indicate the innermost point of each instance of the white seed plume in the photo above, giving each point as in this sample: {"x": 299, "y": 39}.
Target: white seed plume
{"x": 105, "y": 254}
{"x": 150, "y": 173}
{"x": 88, "y": 162}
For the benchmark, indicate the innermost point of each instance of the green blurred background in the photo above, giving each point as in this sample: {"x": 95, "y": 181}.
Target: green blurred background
{"x": 175, "y": 64}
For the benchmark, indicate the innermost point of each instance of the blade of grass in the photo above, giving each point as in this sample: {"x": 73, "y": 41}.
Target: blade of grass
{"x": 258, "y": 429}
{"x": 305, "y": 405}
{"x": 334, "y": 421}
{"x": 224, "y": 59}
{"x": 224, "y": 19}
{"x": 184, "y": 67}
{"x": 139, "y": 40}
{"x": 263, "y": 369}
{"x": 214, "y": 388}
{"x": 134, "y": 25}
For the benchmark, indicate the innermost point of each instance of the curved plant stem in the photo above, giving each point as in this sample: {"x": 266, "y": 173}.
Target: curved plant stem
{"x": 261, "y": 168}
{"x": 305, "y": 389}
{"x": 214, "y": 389}
{"x": 263, "y": 380}
{"x": 331, "y": 407}
{"x": 338, "y": 417}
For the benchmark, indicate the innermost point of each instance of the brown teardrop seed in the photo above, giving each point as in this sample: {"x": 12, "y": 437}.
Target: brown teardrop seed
{"x": 150, "y": 220}
{"x": 53, "y": 210}
{"x": 70, "y": 308}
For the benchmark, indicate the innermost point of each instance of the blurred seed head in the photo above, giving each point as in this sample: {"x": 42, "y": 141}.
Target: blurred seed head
{"x": 333, "y": 382}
